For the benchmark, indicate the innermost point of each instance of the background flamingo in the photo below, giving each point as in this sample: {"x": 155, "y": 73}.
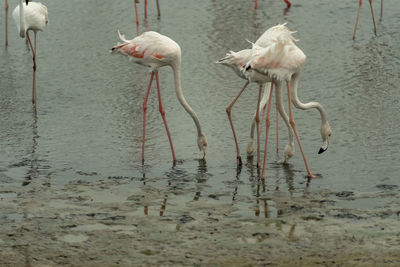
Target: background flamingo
{"x": 32, "y": 16}
{"x": 282, "y": 60}
{"x": 154, "y": 50}
{"x": 372, "y": 13}
{"x": 145, "y": 14}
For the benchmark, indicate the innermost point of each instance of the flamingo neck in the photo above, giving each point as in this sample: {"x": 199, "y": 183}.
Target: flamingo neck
{"x": 21, "y": 19}
{"x": 317, "y": 105}
{"x": 178, "y": 89}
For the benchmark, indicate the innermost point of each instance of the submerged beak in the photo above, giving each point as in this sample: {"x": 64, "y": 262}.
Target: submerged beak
{"x": 27, "y": 1}
{"x": 324, "y": 147}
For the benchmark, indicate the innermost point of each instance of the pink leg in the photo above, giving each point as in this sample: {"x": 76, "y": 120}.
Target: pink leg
{"x": 267, "y": 125}
{"x": 277, "y": 130}
{"x": 162, "y": 112}
{"x": 373, "y": 17}
{"x": 381, "y": 8}
{"x": 358, "y": 15}
{"x": 291, "y": 120}
{"x": 145, "y": 14}
{"x": 137, "y": 18}
{"x": 6, "y": 29}
{"x": 34, "y": 66}
{"x": 288, "y": 4}
{"x": 228, "y": 111}
{"x": 255, "y": 4}
{"x": 144, "y": 114}
{"x": 258, "y": 125}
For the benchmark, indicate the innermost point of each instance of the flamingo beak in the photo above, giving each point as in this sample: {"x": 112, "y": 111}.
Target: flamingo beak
{"x": 27, "y": 1}
{"x": 324, "y": 147}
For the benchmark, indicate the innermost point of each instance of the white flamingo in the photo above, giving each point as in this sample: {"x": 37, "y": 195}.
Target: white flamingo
{"x": 372, "y": 13}
{"x": 282, "y": 60}
{"x": 32, "y": 16}
{"x": 236, "y": 61}
{"x": 154, "y": 50}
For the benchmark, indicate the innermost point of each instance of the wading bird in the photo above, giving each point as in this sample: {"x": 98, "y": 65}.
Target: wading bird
{"x": 145, "y": 14}
{"x": 32, "y": 16}
{"x": 236, "y": 61}
{"x": 282, "y": 60}
{"x": 154, "y": 50}
{"x": 372, "y": 13}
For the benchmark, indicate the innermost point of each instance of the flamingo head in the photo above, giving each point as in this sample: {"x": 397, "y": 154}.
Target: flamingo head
{"x": 326, "y": 133}
{"x": 202, "y": 143}
{"x": 288, "y": 152}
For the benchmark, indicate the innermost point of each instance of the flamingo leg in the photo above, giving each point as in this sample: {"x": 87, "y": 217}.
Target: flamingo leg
{"x": 267, "y": 125}
{"x": 144, "y": 114}
{"x": 6, "y": 9}
{"x": 381, "y": 8}
{"x": 258, "y": 125}
{"x": 255, "y": 4}
{"x": 358, "y": 15}
{"x": 137, "y": 17}
{"x": 277, "y": 128}
{"x": 145, "y": 14}
{"x": 33, "y": 48}
{"x": 228, "y": 111}
{"x": 372, "y": 13}
{"x": 158, "y": 9}
{"x": 288, "y": 3}
{"x": 292, "y": 123}
{"x": 162, "y": 112}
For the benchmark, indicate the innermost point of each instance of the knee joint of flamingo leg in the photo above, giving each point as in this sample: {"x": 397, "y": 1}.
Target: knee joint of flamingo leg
{"x": 292, "y": 123}
{"x": 162, "y": 111}
{"x": 144, "y": 107}
{"x": 268, "y": 123}
{"x": 228, "y": 111}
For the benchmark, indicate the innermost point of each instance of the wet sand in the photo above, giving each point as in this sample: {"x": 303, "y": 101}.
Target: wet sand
{"x": 103, "y": 224}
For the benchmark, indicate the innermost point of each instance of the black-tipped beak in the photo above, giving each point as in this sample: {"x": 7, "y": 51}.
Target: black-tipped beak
{"x": 27, "y": 1}
{"x": 322, "y": 150}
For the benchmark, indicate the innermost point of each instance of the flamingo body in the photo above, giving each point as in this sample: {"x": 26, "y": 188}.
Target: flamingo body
{"x": 35, "y": 17}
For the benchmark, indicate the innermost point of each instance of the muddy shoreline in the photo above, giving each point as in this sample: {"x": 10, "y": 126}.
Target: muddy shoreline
{"x": 101, "y": 224}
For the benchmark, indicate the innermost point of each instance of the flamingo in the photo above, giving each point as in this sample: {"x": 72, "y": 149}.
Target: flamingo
{"x": 372, "y": 13}
{"x": 33, "y": 16}
{"x": 145, "y": 14}
{"x": 288, "y": 3}
{"x": 282, "y": 60}
{"x": 155, "y": 50}
{"x": 236, "y": 61}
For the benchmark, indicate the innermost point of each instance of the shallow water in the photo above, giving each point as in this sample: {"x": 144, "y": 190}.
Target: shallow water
{"x": 89, "y": 120}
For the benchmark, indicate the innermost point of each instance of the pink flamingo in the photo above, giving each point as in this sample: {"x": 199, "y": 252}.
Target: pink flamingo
{"x": 288, "y": 3}
{"x": 145, "y": 14}
{"x": 154, "y": 50}
{"x": 282, "y": 60}
{"x": 34, "y": 17}
{"x": 372, "y": 13}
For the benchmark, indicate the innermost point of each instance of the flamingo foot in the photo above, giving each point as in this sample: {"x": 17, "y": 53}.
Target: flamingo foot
{"x": 239, "y": 160}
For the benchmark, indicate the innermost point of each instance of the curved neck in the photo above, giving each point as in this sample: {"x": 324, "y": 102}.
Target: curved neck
{"x": 178, "y": 89}
{"x": 295, "y": 82}
{"x": 21, "y": 19}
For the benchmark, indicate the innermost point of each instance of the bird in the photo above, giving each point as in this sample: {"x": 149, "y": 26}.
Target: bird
{"x": 154, "y": 50}
{"x": 372, "y": 13}
{"x": 282, "y": 60}
{"x": 288, "y": 3}
{"x": 32, "y": 16}
{"x": 145, "y": 14}
{"x": 236, "y": 61}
